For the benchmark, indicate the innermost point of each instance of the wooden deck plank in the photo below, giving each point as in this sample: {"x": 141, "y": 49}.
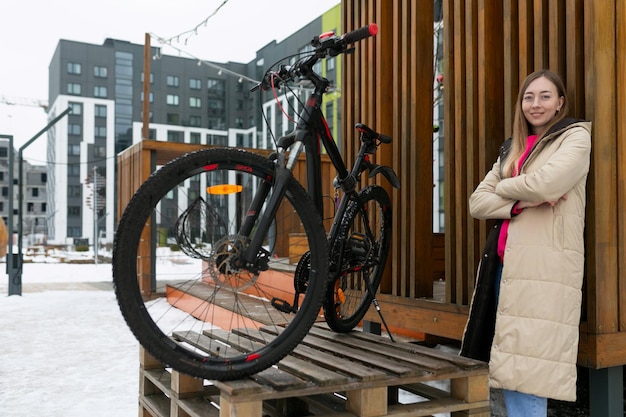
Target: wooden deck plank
{"x": 344, "y": 366}
{"x": 372, "y": 358}
{"x": 428, "y": 363}
{"x": 276, "y": 378}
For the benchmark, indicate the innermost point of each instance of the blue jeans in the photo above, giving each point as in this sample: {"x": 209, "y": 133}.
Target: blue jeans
{"x": 519, "y": 404}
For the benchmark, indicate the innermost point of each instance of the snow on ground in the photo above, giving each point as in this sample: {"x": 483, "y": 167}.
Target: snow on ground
{"x": 66, "y": 350}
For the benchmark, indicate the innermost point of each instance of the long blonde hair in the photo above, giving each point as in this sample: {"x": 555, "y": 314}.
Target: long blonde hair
{"x": 521, "y": 127}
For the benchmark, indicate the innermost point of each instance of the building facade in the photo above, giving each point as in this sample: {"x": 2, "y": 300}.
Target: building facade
{"x": 34, "y": 196}
{"x": 191, "y": 101}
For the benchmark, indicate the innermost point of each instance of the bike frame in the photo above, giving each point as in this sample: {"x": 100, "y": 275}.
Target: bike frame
{"x": 311, "y": 131}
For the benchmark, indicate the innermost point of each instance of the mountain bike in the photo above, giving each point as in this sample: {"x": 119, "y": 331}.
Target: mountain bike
{"x": 242, "y": 244}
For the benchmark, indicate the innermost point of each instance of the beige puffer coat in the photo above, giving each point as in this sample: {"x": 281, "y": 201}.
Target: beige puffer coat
{"x": 536, "y": 336}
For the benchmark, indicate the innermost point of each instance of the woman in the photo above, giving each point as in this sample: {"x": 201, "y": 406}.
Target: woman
{"x": 537, "y": 188}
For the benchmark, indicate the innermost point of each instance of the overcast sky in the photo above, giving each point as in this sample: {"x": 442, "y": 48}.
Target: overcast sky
{"x": 30, "y": 32}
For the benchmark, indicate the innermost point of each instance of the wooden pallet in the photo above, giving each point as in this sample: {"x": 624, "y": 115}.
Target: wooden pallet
{"x": 328, "y": 374}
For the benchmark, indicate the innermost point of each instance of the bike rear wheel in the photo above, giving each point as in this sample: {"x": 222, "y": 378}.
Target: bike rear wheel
{"x": 186, "y": 297}
{"x": 363, "y": 244}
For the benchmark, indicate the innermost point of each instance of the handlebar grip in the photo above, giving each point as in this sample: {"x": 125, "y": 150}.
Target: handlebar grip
{"x": 362, "y": 33}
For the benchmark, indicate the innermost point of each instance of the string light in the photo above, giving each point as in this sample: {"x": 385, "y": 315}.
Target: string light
{"x": 192, "y": 32}
{"x": 221, "y": 70}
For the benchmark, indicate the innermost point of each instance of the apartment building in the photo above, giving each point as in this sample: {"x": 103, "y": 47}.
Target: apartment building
{"x": 191, "y": 101}
{"x": 34, "y": 195}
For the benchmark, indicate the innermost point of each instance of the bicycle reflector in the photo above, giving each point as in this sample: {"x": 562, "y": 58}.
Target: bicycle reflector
{"x": 223, "y": 189}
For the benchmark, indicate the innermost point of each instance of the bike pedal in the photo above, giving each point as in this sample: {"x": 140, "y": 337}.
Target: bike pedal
{"x": 282, "y": 305}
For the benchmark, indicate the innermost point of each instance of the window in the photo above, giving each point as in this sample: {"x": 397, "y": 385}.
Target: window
{"x": 195, "y": 84}
{"x": 100, "y": 131}
{"x": 1, "y": 176}
{"x": 73, "y": 211}
{"x": 172, "y": 100}
{"x": 74, "y": 231}
{"x": 44, "y": 178}
{"x": 73, "y": 170}
{"x": 172, "y": 81}
{"x": 151, "y": 97}
{"x": 100, "y": 151}
{"x": 99, "y": 91}
{"x": 73, "y": 150}
{"x": 73, "y": 88}
{"x": 194, "y": 137}
{"x": 239, "y": 105}
{"x": 43, "y": 207}
{"x": 99, "y": 72}
{"x": 216, "y": 123}
{"x": 74, "y": 190}
{"x": 30, "y": 207}
{"x": 239, "y": 122}
{"x": 74, "y": 68}
{"x": 35, "y": 192}
{"x": 216, "y": 87}
{"x": 100, "y": 110}
{"x": 77, "y": 108}
{"x": 195, "y": 102}
{"x": 4, "y": 152}
{"x": 173, "y": 136}
{"x": 216, "y": 104}
{"x": 195, "y": 121}
{"x": 173, "y": 119}
{"x": 5, "y": 191}
{"x": 73, "y": 129}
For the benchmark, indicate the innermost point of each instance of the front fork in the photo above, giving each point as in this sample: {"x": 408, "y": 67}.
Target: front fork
{"x": 263, "y": 218}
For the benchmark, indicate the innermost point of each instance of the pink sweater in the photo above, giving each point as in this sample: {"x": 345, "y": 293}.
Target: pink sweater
{"x": 504, "y": 230}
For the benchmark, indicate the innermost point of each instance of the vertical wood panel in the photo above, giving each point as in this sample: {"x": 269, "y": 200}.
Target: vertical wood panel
{"x": 574, "y": 46}
{"x": 620, "y": 49}
{"x": 384, "y": 123}
{"x": 556, "y": 36}
{"x": 525, "y": 27}
{"x": 399, "y": 254}
{"x": 408, "y": 73}
{"x": 470, "y": 140}
{"x": 602, "y": 271}
{"x": 422, "y": 133}
{"x": 457, "y": 190}
{"x": 540, "y": 32}
{"x": 511, "y": 60}
{"x": 449, "y": 70}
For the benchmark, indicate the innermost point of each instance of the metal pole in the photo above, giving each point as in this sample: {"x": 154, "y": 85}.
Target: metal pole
{"x": 17, "y": 284}
{"x": 94, "y": 188}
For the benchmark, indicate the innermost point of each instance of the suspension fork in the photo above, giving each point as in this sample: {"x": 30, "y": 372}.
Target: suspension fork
{"x": 282, "y": 176}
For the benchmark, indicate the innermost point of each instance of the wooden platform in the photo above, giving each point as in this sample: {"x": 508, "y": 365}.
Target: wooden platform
{"x": 328, "y": 374}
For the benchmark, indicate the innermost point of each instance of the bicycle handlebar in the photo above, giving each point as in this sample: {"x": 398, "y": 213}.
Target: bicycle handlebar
{"x": 324, "y": 44}
{"x": 360, "y": 34}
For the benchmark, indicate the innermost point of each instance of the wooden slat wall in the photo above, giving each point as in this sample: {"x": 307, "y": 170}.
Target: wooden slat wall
{"x": 384, "y": 83}
{"x": 489, "y": 48}
{"x": 582, "y": 41}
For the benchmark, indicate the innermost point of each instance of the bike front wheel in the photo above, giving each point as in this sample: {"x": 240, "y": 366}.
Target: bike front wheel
{"x": 179, "y": 277}
{"x": 359, "y": 253}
